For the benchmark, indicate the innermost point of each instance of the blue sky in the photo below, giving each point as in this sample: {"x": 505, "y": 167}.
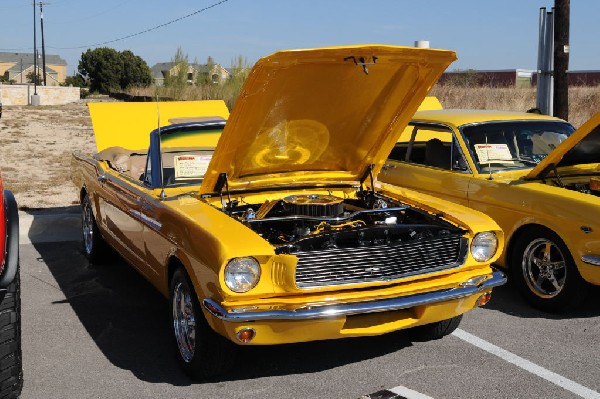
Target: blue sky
{"x": 486, "y": 34}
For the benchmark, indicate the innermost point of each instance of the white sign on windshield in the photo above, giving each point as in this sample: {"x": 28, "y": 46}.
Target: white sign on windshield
{"x": 493, "y": 152}
{"x": 191, "y": 166}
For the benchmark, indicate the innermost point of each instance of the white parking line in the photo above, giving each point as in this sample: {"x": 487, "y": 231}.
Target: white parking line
{"x": 525, "y": 364}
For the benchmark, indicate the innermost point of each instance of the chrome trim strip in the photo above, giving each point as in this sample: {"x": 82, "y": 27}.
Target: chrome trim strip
{"x": 591, "y": 260}
{"x": 320, "y": 312}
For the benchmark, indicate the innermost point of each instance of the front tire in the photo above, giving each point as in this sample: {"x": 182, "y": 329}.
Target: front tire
{"x": 545, "y": 273}
{"x": 202, "y": 353}
{"x": 433, "y": 331}
{"x": 94, "y": 246}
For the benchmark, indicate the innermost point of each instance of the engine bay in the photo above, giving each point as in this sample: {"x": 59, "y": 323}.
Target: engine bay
{"x": 307, "y": 222}
{"x": 585, "y": 186}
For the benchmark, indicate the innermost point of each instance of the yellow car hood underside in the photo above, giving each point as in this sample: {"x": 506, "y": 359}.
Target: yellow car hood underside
{"x": 322, "y": 115}
{"x": 556, "y": 155}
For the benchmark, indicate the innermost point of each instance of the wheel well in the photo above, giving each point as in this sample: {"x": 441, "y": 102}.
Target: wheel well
{"x": 173, "y": 264}
{"x": 516, "y": 237}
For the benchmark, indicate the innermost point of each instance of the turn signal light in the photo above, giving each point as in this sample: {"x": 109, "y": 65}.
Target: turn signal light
{"x": 484, "y": 299}
{"x": 246, "y": 335}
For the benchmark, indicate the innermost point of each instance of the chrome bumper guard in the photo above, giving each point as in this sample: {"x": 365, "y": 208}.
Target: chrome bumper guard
{"x": 470, "y": 287}
{"x": 591, "y": 260}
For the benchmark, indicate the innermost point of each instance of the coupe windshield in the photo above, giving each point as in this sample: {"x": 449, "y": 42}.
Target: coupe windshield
{"x": 497, "y": 146}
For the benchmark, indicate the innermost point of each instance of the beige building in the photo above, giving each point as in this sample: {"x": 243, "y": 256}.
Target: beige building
{"x": 14, "y": 67}
{"x": 163, "y": 70}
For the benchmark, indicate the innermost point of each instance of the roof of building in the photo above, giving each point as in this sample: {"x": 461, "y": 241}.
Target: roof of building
{"x": 27, "y": 58}
{"x": 17, "y": 68}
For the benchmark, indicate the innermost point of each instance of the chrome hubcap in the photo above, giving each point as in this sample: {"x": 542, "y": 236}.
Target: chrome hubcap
{"x": 87, "y": 224}
{"x": 184, "y": 322}
{"x": 544, "y": 268}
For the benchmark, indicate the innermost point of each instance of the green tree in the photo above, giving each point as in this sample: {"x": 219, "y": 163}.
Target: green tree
{"x": 103, "y": 68}
{"x": 240, "y": 68}
{"x": 239, "y": 71}
{"x": 109, "y": 70}
{"x": 179, "y": 77}
{"x": 32, "y": 77}
{"x": 205, "y": 77}
{"x": 75, "y": 81}
{"x": 135, "y": 71}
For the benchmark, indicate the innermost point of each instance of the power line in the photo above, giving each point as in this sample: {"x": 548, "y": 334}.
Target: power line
{"x": 146, "y": 30}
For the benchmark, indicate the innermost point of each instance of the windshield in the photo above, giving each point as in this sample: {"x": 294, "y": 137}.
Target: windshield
{"x": 185, "y": 154}
{"x": 497, "y": 146}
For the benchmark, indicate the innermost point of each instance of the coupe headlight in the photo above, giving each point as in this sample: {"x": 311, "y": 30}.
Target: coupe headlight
{"x": 242, "y": 274}
{"x": 484, "y": 246}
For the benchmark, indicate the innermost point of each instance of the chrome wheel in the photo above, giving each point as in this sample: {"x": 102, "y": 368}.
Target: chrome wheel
{"x": 544, "y": 268}
{"x": 184, "y": 321}
{"x": 87, "y": 224}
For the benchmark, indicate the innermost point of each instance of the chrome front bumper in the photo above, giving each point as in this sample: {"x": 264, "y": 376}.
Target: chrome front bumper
{"x": 470, "y": 287}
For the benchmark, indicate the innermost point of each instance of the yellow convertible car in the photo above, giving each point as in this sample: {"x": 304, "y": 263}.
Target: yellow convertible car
{"x": 270, "y": 228}
{"x": 534, "y": 174}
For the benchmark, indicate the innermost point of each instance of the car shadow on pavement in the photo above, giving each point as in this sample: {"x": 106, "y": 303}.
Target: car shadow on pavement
{"x": 128, "y": 320}
{"x": 508, "y": 300}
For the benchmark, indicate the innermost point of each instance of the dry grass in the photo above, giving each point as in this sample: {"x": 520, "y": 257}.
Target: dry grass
{"x": 584, "y": 102}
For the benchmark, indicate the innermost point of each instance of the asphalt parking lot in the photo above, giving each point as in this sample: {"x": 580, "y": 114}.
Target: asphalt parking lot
{"x": 101, "y": 331}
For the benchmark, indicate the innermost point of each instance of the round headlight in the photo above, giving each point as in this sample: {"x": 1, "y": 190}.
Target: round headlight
{"x": 242, "y": 274}
{"x": 484, "y": 246}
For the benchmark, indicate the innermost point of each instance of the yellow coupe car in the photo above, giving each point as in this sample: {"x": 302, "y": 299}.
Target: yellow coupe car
{"x": 281, "y": 233}
{"x": 534, "y": 174}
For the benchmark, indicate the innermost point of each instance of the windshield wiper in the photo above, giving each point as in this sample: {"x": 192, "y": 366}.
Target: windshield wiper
{"x": 523, "y": 160}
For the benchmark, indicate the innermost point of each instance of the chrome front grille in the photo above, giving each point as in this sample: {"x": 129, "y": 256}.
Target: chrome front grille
{"x": 341, "y": 266}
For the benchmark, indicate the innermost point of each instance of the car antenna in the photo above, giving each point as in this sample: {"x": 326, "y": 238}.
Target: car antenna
{"x": 487, "y": 150}
{"x": 163, "y": 195}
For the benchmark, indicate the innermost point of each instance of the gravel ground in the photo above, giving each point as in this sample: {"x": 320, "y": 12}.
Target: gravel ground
{"x": 36, "y": 144}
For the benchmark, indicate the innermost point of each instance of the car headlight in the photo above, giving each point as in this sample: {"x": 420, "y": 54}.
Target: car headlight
{"x": 484, "y": 246}
{"x": 242, "y": 274}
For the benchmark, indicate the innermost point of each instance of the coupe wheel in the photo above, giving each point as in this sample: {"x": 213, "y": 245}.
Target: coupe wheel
{"x": 440, "y": 329}
{"x": 94, "y": 246}
{"x": 545, "y": 273}
{"x": 202, "y": 352}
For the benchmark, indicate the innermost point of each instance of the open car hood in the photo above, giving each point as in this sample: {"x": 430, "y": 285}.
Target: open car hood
{"x": 582, "y": 147}
{"x": 322, "y": 115}
{"x": 128, "y": 124}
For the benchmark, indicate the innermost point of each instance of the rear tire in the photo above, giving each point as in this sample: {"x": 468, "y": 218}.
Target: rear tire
{"x": 544, "y": 272}
{"x": 202, "y": 353}
{"x": 11, "y": 364}
{"x": 95, "y": 248}
{"x": 433, "y": 331}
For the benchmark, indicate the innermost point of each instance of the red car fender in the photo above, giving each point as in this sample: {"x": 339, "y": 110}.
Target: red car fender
{"x": 9, "y": 228}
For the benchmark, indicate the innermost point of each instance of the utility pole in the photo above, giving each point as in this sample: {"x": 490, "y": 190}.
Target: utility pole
{"x": 43, "y": 47}
{"x": 561, "y": 58}
{"x": 34, "y": 54}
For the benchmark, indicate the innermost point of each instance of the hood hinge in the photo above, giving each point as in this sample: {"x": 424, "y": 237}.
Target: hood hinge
{"x": 222, "y": 181}
{"x": 368, "y": 173}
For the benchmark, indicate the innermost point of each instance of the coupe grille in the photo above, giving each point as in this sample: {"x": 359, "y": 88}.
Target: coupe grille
{"x": 340, "y": 266}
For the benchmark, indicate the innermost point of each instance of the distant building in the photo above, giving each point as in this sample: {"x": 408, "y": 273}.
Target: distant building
{"x": 579, "y": 78}
{"x": 163, "y": 70}
{"x": 513, "y": 78}
{"x": 489, "y": 78}
{"x": 14, "y": 67}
